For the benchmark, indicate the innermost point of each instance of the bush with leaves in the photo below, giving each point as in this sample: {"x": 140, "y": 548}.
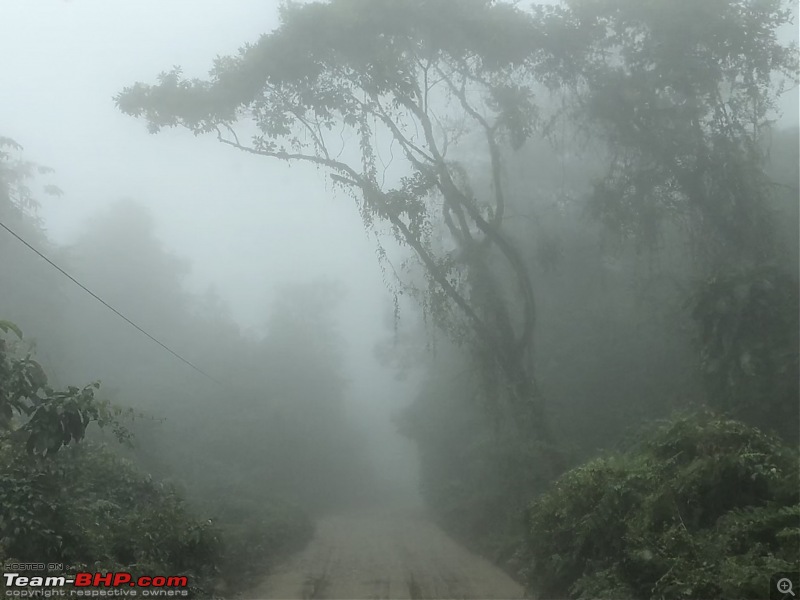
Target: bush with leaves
{"x": 91, "y": 510}
{"x": 748, "y": 339}
{"x": 699, "y": 507}
{"x": 45, "y": 418}
{"x": 79, "y": 504}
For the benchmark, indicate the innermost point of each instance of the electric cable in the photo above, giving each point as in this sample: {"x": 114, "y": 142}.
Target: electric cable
{"x": 109, "y": 307}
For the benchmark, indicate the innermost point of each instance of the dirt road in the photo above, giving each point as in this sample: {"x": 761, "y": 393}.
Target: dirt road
{"x": 385, "y": 554}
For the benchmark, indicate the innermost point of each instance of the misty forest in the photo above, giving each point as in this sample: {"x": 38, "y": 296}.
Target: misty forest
{"x": 402, "y": 298}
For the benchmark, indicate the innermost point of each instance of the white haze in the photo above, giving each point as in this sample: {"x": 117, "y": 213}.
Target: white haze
{"x": 247, "y": 225}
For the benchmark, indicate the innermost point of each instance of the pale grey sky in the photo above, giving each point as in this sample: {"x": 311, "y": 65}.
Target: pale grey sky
{"x": 244, "y": 222}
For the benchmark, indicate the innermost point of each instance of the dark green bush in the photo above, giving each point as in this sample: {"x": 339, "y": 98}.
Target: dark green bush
{"x": 748, "y": 339}
{"x": 91, "y": 510}
{"x": 700, "y": 507}
{"x": 65, "y": 500}
{"x": 71, "y": 502}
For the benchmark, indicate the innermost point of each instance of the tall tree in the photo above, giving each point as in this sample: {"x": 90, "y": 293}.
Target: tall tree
{"x": 29, "y": 288}
{"x": 685, "y": 95}
{"x": 338, "y": 85}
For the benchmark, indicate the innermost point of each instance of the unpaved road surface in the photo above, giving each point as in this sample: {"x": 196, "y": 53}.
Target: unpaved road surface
{"x": 385, "y": 553}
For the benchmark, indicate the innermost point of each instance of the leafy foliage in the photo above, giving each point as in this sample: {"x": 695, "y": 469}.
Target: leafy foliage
{"x": 17, "y": 199}
{"x": 749, "y": 345}
{"x": 699, "y": 507}
{"x": 683, "y": 94}
{"x": 85, "y": 507}
{"x": 80, "y": 505}
{"x": 90, "y": 510}
{"x": 215, "y": 449}
{"x": 46, "y": 418}
{"x": 365, "y": 70}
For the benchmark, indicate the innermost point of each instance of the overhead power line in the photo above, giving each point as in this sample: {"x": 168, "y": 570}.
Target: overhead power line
{"x": 109, "y": 307}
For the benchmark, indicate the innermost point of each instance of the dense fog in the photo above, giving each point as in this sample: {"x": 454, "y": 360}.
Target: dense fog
{"x": 401, "y": 299}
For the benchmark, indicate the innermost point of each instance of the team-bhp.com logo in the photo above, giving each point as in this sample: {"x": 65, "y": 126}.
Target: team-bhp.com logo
{"x": 95, "y": 585}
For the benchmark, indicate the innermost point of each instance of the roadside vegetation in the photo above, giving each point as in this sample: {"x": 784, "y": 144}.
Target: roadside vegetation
{"x": 596, "y": 207}
{"x": 76, "y": 502}
{"x": 697, "y": 507}
{"x": 149, "y": 472}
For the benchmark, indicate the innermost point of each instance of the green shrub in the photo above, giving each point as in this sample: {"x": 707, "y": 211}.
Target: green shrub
{"x": 71, "y": 502}
{"x": 91, "y": 510}
{"x": 700, "y": 507}
{"x": 748, "y": 339}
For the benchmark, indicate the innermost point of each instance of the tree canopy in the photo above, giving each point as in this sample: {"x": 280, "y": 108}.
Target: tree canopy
{"x": 339, "y": 84}
{"x": 675, "y": 96}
